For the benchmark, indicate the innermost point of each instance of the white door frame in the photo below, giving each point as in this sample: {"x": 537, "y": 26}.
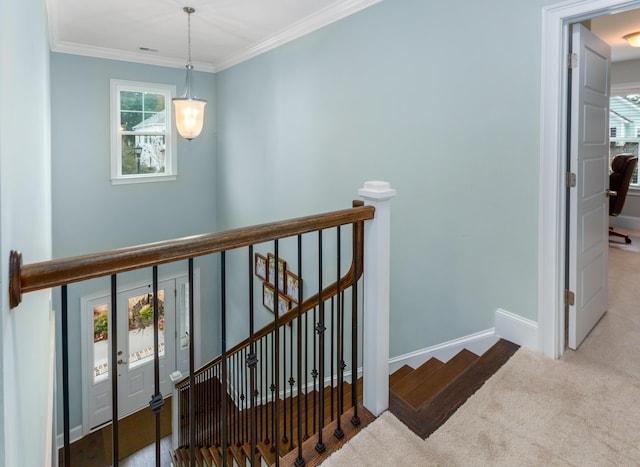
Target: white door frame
{"x": 553, "y": 162}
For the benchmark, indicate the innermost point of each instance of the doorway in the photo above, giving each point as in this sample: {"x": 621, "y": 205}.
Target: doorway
{"x": 135, "y": 347}
{"x": 552, "y": 263}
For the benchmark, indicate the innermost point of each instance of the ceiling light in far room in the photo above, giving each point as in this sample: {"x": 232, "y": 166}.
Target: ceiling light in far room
{"x": 189, "y": 110}
{"x": 633, "y": 39}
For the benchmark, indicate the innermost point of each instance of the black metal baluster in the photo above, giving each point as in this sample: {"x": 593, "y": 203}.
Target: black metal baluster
{"x": 262, "y": 392}
{"x": 355, "y": 420}
{"x": 306, "y": 374}
{"x": 217, "y": 401}
{"x": 232, "y": 399}
{"x": 331, "y": 355}
{"x": 114, "y": 371}
{"x": 276, "y": 345}
{"x": 65, "y": 376}
{"x": 252, "y": 362}
{"x": 300, "y": 460}
{"x": 156, "y": 401}
{"x": 247, "y": 398}
{"x": 268, "y": 357}
{"x": 292, "y": 381}
{"x": 314, "y": 372}
{"x": 223, "y": 341}
{"x": 283, "y": 330}
{"x": 320, "y": 329}
{"x": 192, "y": 380}
{"x": 339, "y": 433}
{"x": 240, "y": 406}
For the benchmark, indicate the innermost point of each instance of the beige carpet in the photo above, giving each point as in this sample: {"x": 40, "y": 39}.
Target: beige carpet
{"x": 582, "y": 410}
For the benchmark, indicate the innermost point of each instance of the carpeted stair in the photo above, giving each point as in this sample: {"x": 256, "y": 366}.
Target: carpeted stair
{"x": 425, "y": 397}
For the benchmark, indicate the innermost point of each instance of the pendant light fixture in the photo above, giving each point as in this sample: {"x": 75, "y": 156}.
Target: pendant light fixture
{"x": 189, "y": 110}
{"x": 633, "y": 39}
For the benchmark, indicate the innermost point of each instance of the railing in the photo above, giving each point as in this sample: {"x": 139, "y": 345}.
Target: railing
{"x": 285, "y": 382}
{"x": 265, "y": 343}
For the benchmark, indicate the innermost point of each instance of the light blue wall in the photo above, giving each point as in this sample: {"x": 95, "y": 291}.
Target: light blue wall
{"x": 91, "y": 215}
{"x": 442, "y": 99}
{"x": 25, "y": 225}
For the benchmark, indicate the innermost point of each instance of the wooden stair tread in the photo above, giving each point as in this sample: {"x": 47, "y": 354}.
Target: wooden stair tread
{"x": 215, "y": 454}
{"x": 208, "y": 459}
{"x": 423, "y": 393}
{"x": 399, "y": 374}
{"x": 288, "y": 437}
{"x": 417, "y": 376}
{"x": 309, "y": 453}
{"x": 432, "y": 414}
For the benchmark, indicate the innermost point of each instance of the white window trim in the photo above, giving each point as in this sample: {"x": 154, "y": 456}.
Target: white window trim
{"x": 116, "y": 142}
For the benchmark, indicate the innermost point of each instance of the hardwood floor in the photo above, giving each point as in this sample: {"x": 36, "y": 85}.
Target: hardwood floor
{"x": 136, "y": 442}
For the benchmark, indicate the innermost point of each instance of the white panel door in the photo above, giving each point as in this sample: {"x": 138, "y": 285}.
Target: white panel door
{"x": 588, "y": 205}
{"x": 135, "y": 364}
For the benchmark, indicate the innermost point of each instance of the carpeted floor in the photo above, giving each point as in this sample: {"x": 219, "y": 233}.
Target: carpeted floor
{"x": 582, "y": 410}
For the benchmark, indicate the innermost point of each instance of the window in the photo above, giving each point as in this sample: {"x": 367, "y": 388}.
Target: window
{"x": 143, "y": 143}
{"x": 624, "y": 127}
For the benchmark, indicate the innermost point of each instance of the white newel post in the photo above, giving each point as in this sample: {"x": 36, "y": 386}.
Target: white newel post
{"x": 377, "y": 264}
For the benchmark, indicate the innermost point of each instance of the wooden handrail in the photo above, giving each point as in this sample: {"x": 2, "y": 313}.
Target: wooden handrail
{"x": 354, "y": 274}
{"x": 54, "y": 273}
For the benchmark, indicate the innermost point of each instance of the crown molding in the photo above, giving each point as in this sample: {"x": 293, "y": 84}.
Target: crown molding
{"x": 324, "y": 17}
{"x": 136, "y": 57}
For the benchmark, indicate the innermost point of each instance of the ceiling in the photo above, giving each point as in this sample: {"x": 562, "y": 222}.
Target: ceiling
{"x": 223, "y": 32}
{"x": 611, "y": 29}
{"x": 226, "y": 32}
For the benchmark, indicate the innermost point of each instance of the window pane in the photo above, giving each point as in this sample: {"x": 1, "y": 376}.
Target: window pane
{"x": 141, "y": 332}
{"x": 144, "y": 154}
{"x": 128, "y": 120}
{"x": 100, "y": 343}
{"x": 151, "y": 122}
{"x": 183, "y": 316}
{"x": 153, "y": 102}
{"x": 131, "y": 100}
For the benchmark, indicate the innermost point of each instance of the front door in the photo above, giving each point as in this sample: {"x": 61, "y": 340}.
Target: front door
{"x": 135, "y": 347}
{"x": 588, "y": 205}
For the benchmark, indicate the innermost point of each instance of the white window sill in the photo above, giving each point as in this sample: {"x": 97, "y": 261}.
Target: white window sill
{"x": 153, "y": 178}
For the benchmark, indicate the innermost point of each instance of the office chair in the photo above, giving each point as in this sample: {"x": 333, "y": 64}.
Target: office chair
{"x": 622, "y": 168}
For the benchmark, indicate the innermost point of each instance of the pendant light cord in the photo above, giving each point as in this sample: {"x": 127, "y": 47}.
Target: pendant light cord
{"x": 189, "y": 11}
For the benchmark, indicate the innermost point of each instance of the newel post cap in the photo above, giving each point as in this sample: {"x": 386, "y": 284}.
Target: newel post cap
{"x": 377, "y": 190}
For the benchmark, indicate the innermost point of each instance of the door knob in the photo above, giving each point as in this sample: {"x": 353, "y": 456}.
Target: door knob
{"x": 610, "y": 193}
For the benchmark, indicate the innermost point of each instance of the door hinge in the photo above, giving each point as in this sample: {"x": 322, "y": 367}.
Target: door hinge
{"x": 571, "y": 180}
{"x": 572, "y": 61}
{"x": 569, "y": 297}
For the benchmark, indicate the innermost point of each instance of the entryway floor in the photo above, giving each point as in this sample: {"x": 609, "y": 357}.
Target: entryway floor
{"x": 136, "y": 442}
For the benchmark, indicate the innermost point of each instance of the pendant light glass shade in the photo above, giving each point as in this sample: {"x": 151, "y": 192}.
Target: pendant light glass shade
{"x": 189, "y": 116}
{"x": 633, "y": 39}
{"x": 189, "y": 111}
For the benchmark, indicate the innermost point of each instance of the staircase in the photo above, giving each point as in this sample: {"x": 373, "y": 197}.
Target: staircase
{"x": 425, "y": 397}
{"x": 265, "y": 455}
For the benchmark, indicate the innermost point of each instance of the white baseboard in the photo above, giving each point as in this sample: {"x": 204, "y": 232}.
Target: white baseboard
{"x": 477, "y": 343}
{"x": 516, "y": 329}
{"x": 625, "y": 222}
{"x": 74, "y": 435}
